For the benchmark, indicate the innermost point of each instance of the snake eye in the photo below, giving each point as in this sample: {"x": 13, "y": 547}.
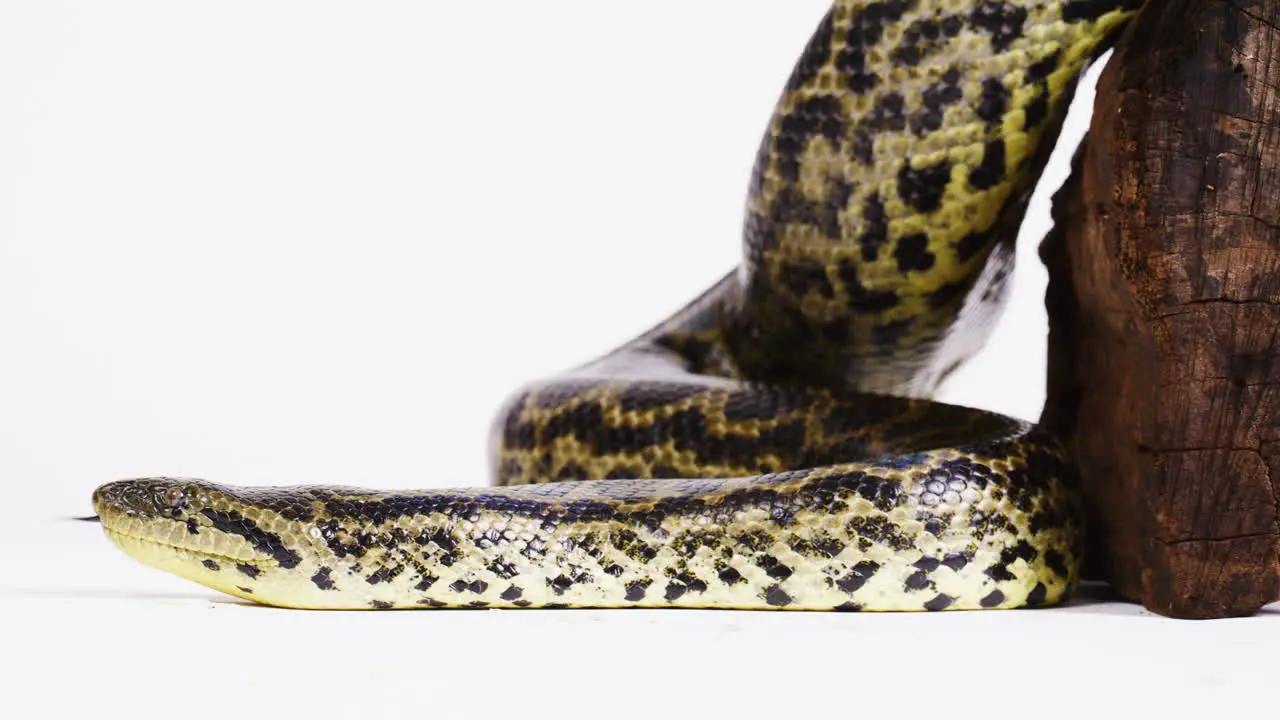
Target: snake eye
{"x": 174, "y": 497}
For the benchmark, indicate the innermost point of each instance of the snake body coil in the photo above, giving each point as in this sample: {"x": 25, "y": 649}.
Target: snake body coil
{"x": 786, "y": 457}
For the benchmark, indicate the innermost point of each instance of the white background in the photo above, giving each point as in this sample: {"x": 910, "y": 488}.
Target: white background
{"x": 279, "y": 241}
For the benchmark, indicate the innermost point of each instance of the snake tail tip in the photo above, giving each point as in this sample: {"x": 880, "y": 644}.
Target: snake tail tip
{"x": 88, "y": 518}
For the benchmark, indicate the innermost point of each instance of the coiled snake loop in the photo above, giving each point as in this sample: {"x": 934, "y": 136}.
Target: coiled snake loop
{"x": 772, "y": 444}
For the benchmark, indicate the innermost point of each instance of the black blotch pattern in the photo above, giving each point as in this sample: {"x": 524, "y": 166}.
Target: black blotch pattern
{"x": 210, "y": 565}
{"x": 773, "y": 568}
{"x": 730, "y": 576}
{"x": 502, "y": 569}
{"x": 261, "y": 540}
{"x": 913, "y": 253}
{"x": 857, "y": 576}
{"x": 1038, "y": 595}
{"x": 936, "y": 98}
{"x": 1022, "y": 551}
{"x": 927, "y": 564}
{"x": 1040, "y": 70}
{"x": 1004, "y": 21}
{"x": 323, "y": 579}
{"x": 923, "y": 188}
{"x": 995, "y": 101}
{"x": 888, "y": 113}
{"x": 1042, "y": 520}
{"x": 249, "y": 570}
{"x": 824, "y": 547}
{"x": 875, "y": 230}
{"x": 1038, "y": 73}
{"x": 994, "y": 599}
{"x": 925, "y": 37}
{"x": 636, "y": 590}
{"x": 941, "y": 602}
{"x": 693, "y": 583}
{"x": 385, "y": 573}
{"x": 918, "y": 581}
{"x": 674, "y": 591}
{"x": 1037, "y": 110}
{"x": 776, "y": 596}
{"x": 379, "y": 604}
{"x": 991, "y": 171}
{"x": 475, "y": 586}
{"x": 821, "y": 115}
{"x": 865, "y": 31}
{"x": 880, "y": 531}
{"x": 1056, "y": 562}
{"x": 883, "y": 493}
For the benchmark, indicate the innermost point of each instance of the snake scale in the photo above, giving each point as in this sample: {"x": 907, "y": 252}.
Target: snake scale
{"x": 770, "y": 446}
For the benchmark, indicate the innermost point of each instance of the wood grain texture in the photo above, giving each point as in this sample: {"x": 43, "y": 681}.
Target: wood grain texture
{"x": 1164, "y": 308}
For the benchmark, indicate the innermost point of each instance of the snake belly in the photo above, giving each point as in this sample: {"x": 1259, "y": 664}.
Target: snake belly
{"x": 771, "y": 446}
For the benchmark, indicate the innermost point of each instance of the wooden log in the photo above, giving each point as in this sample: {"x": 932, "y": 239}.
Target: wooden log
{"x": 1164, "y": 306}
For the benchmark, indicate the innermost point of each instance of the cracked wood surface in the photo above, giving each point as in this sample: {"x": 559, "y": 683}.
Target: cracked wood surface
{"x": 1164, "y": 306}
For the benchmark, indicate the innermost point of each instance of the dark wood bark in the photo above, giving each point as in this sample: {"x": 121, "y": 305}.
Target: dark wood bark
{"x": 1164, "y": 310}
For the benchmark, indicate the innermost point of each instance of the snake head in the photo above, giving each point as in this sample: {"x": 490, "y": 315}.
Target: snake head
{"x": 158, "y": 509}
{"x": 198, "y": 530}
{"x": 146, "y": 499}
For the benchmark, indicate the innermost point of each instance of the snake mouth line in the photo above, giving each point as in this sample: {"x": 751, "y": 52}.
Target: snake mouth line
{"x": 201, "y": 554}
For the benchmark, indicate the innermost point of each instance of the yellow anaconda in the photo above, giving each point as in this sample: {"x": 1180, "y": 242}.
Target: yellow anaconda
{"x": 750, "y": 452}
